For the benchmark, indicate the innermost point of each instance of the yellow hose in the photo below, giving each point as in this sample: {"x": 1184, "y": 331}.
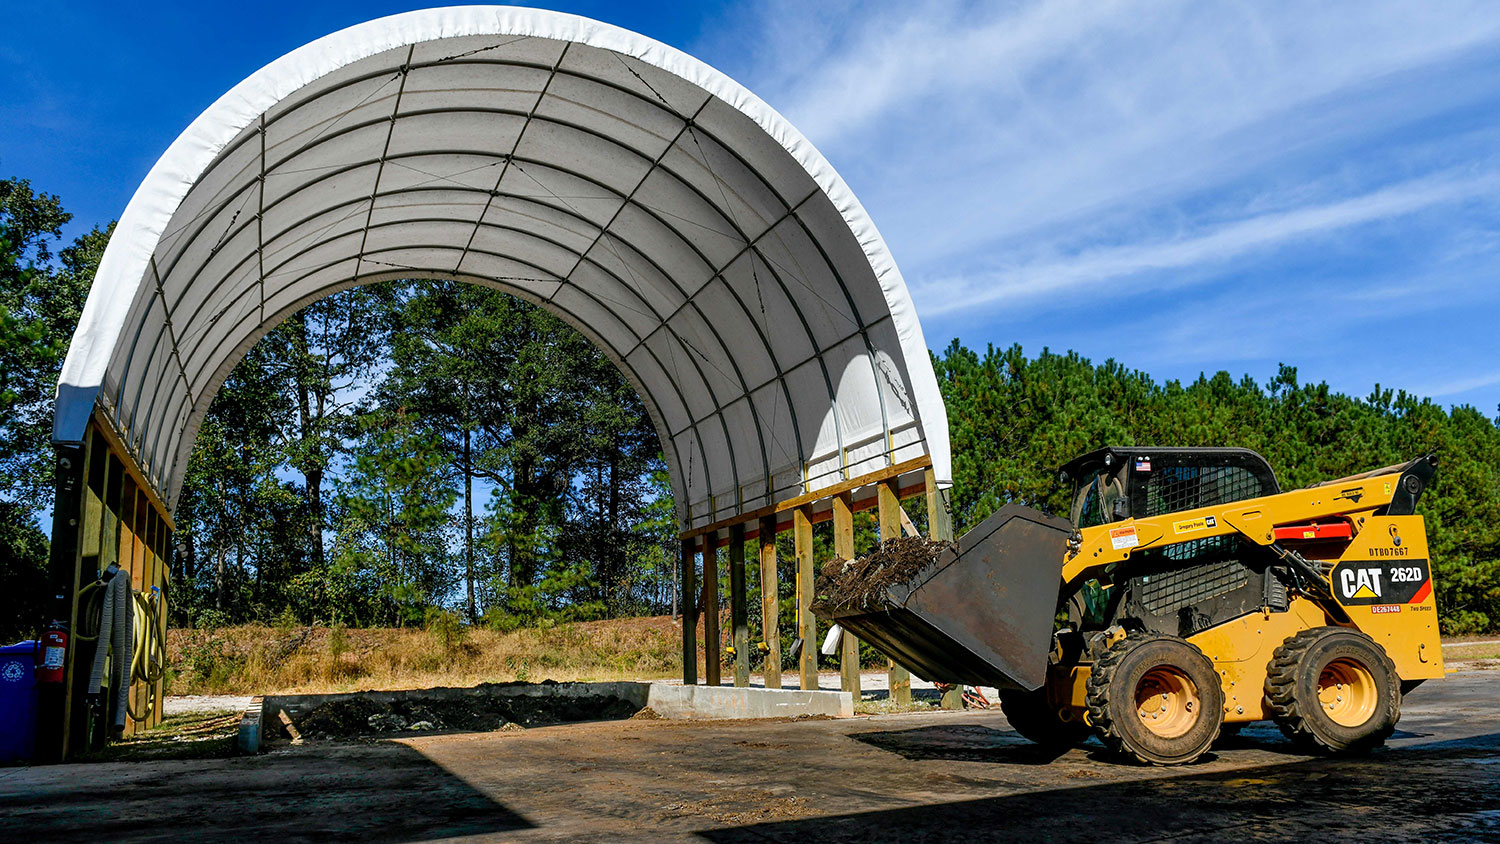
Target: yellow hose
{"x": 148, "y": 659}
{"x": 84, "y": 595}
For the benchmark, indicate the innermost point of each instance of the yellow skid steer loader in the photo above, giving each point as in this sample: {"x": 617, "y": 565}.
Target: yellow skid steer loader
{"x": 1188, "y": 596}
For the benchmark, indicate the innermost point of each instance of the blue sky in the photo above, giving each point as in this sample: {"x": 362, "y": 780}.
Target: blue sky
{"x": 1184, "y": 187}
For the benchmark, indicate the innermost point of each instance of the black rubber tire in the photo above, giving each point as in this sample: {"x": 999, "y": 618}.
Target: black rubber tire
{"x": 1113, "y": 709}
{"x": 1035, "y": 719}
{"x": 1292, "y": 690}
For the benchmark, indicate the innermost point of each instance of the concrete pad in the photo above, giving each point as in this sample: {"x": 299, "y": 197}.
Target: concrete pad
{"x": 249, "y": 737}
{"x": 721, "y": 702}
{"x": 939, "y": 777}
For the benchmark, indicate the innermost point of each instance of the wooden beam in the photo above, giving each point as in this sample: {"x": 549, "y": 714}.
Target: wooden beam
{"x": 55, "y": 736}
{"x": 117, "y": 445}
{"x": 798, "y": 501}
{"x": 711, "y": 659}
{"x": 689, "y": 614}
{"x": 163, "y": 542}
{"x": 130, "y": 499}
{"x": 852, "y": 484}
{"x": 739, "y": 614}
{"x": 843, "y": 549}
{"x": 807, "y": 625}
{"x": 889, "y": 519}
{"x": 939, "y": 522}
{"x": 770, "y": 604}
{"x": 939, "y": 527}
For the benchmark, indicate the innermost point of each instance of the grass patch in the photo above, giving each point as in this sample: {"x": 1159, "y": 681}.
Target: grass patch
{"x": 256, "y": 659}
{"x": 1457, "y": 652}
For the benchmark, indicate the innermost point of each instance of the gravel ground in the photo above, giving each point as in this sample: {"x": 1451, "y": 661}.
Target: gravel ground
{"x": 938, "y": 777}
{"x": 183, "y": 704}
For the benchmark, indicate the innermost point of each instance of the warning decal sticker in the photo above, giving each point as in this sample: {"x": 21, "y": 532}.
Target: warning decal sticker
{"x": 1122, "y": 538}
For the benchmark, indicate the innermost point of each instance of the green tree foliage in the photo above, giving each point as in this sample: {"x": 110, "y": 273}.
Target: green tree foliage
{"x": 414, "y": 446}
{"x": 475, "y": 452}
{"x": 241, "y": 529}
{"x": 394, "y": 518}
{"x": 1015, "y": 419}
{"x": 41, "y": 297}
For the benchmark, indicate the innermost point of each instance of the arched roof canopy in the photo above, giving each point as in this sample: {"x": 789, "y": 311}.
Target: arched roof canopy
{"x": 656, "y": 205}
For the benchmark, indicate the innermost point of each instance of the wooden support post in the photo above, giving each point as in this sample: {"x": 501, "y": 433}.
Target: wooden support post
{"x": 739, "y": 613}
{"x": 889, "y": 504}
{"x": 52, "y": 722}
{"x": 770, "y": 604}
{"x": 938, "y": 527}
{"x": 711, "y": 659}
{"x": 689, "y": 613}
{"x": 130, "y": 568}
{"x": 843, "y": 548}
{"x": 807, "y": 625}
{"x": 939, "y": 522}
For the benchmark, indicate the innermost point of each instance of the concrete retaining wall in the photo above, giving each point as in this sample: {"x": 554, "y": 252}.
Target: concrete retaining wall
{"x": 667, "y": 699}
{"x": 720, "y": 702}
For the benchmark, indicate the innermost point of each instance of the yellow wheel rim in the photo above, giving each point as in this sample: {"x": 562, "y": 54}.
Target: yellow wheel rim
{"x": 1346, "y": 692}
{"x": 1167, "y": 701}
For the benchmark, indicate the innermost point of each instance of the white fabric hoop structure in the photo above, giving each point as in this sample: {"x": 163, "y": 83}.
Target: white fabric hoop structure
{"x": 647, "y": 199}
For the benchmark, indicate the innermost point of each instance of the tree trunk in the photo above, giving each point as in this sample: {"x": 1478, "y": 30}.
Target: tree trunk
{"x": 309, "y": 421}
{"x": 611, "y": 532}
{"x": 526, "y": 497}
{"x": 469, "y": 521}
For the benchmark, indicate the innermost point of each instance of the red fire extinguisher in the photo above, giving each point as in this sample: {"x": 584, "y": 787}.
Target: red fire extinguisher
{"x": 54, "y": 651}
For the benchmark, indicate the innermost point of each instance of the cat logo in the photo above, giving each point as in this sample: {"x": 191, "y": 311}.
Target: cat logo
{"x": 1360, "y": 583}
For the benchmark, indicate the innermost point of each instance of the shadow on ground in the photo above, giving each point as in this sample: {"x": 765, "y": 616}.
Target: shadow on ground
{"x": 1444, "y": 792}
{"x": 385, "y": 792}
{"x": 960, "y": 743}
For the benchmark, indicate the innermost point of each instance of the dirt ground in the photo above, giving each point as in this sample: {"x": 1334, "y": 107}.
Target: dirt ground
{"x": 941, "y": 776}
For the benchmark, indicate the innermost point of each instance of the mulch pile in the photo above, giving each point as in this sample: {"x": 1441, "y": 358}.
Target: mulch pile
{"x": 359, "y": 716}
{"x": 862, "y": 584}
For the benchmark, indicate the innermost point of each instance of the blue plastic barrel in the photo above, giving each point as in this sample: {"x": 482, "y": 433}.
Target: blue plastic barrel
{"x": 17, "y": 702}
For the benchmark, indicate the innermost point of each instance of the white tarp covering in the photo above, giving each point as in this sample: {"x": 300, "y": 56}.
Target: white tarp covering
{"x": 649, "y": 200}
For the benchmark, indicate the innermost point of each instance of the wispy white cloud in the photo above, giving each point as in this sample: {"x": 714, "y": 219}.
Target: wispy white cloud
{"x": 1215, "y": 246}
{"x": 966, "y": 125}
{"x": 1459, "y": 385}
{"x": 1020, "y": 157}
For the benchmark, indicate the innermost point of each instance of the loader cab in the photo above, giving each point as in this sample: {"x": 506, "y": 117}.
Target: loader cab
{"x": 1185, "y": 586}
{"x": 1116, "y": 483}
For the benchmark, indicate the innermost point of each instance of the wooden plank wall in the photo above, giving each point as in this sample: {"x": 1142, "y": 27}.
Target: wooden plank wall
{"x": 120, "y": 520}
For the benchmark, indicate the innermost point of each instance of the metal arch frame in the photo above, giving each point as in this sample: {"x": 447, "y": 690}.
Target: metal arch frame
{"x": 563, "y": 247}
{"x": 725, "y": 211}
{"x": 553, "y": 71}
{"x": 688, "y": 298}
{"x": 205, "y": 218}
{"x": 524, "y": 293}
{"x": 529, "y": 296}
{"x": 194, "y": 419}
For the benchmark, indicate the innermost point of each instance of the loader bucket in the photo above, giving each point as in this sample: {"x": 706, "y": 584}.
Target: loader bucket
{"x": 983, "y": 613}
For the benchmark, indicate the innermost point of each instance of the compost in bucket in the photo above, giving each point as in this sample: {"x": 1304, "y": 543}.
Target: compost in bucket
{"x": 863, "y": 583}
